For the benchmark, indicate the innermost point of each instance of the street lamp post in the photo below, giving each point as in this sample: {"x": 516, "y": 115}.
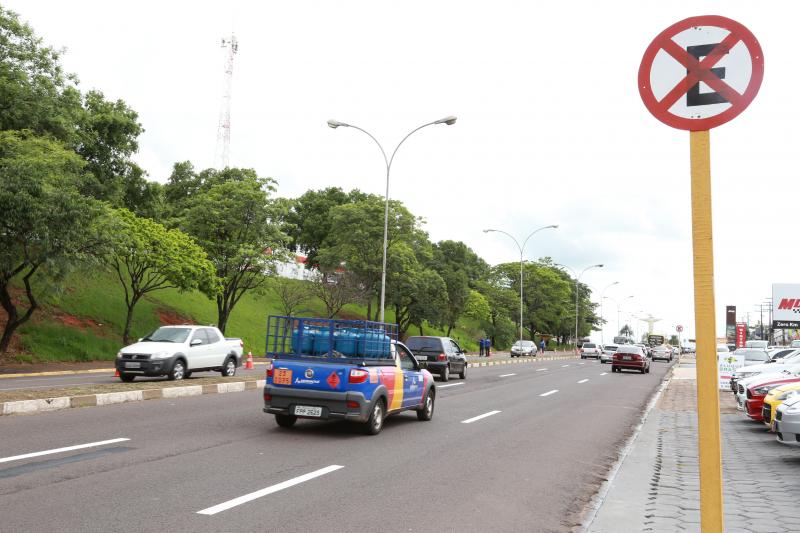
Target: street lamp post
{"x": 450, "y": 120}
{"x": 618, "y": 307}
{"x": 577, "y": 281}
{"x": 521, "y": 259}
{"x": 602, "y": 321}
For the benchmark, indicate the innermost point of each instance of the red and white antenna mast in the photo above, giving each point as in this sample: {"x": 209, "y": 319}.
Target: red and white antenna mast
{"x": 222, "y": 152}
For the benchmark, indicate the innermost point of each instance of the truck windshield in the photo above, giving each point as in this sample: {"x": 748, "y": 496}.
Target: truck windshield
{"x": 168, "y": 335}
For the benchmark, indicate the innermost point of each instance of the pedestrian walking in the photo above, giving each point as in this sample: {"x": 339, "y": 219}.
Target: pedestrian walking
{"x": 542, "y": 346}
{"x": 480, "y": 346}
{"x": 488, "y": 347}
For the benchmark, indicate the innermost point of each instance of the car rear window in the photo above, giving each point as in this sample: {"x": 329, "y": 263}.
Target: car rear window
{"x": 610, "y": 348}
{"x": 589, "y": 345}
{"x": 422, "y": 344}
{"x": 629, "y": 349}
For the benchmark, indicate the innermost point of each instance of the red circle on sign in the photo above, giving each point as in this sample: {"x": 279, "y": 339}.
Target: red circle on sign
{"x": 698, "y": 71}
{"x": 679, "y": 328}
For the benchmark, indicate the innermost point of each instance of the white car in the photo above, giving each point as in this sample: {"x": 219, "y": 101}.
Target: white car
{"x": 590, "y": 349}
{"x": 177, "y": 351}
{"x": 747, "y": 379}
{"x": 607, "y": 355}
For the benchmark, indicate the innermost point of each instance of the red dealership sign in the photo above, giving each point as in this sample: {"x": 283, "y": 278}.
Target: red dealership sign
{"x": 741, "y": 334}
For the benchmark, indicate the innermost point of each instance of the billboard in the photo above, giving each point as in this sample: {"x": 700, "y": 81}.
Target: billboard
{"x": 730, "y": 324}
{"x": 727, "y": 364}
{"x": 741, "y": 334}
{"x": 785, "y": 306}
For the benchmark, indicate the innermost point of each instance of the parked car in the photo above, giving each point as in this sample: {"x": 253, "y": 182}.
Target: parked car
{"x": 179, "y": 351}
{"x": 441, "y": 356}
{"x": 771, "y": 373}
{"x": 787, "y": 421}
{"x": 590, "y": 349}
{"x": 776, "y": 354}
{"x": 757, "y": 344}
{"x": 731, "y": 347}
{"x": 722, "y": 349}
{"x": 631, "y": 357}
{"x": 349, "y": 370}
{"x": 662, "y": 353}
{"x": 774, "y": 398}
{"x": 754, "y": 401}
{"x": 523, "y": 348}
{"x": 607, "y": 355}
{"x": 755, "y": 371}
{"x": 795, "y": 344}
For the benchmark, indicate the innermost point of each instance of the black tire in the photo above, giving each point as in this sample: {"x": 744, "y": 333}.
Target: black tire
{"x": 228, "y": 369}
{"x": 648, "y": 370}
{"x": 285, "y": 421}
{"x": 426, "y": 413}
{"x": 445, "y": 375}
{"x": 127, "y": 378}
{"x": 187, "y": 374}
{"x": 463, "y": 373}
{"x": 375, "y": 422}
{"x": 178, "y": 370}
{"x": 642, "y": 371}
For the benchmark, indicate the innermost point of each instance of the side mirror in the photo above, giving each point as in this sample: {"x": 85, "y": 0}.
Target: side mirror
{"x": 195, "y": 342}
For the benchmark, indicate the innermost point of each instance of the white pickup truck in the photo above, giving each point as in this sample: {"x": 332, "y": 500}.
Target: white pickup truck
{"x": 177, "y": 351}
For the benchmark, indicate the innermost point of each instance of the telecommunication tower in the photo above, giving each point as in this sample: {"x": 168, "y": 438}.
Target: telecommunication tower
{"x": 223, "y": 149}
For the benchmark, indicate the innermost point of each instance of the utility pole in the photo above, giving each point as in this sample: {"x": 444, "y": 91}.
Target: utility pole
{"x": 222, "y": 152}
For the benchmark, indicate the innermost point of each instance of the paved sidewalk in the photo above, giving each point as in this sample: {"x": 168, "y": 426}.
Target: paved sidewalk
{"x": 657, "y": 485}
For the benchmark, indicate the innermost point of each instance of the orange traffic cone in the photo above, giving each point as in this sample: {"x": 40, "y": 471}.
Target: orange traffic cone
{"x": 249, "y": 364}
{"x": 116, "y": 373}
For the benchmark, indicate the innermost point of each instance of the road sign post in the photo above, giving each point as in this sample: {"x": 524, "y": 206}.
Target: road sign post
{"x": 698, "y": 74}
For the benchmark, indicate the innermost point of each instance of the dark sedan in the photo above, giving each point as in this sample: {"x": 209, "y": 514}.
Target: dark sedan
{"x": 440, "y": 355}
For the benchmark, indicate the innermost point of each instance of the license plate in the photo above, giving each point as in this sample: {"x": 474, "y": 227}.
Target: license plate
{"x": 304, "y": 410}
{"x": 133, "y": 365}
{"x": 626, "y": 357}
{"x": 283, "y": 376}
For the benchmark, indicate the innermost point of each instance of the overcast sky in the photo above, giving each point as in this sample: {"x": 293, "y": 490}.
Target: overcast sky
{"x": 551, "y": 128}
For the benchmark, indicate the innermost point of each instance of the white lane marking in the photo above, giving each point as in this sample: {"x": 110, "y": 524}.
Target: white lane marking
{"x": 541, "y": 369}
{"x": 61, "y": 450}
{"x": 564, "y": 366}
{"x": 269, "y": 490}
{"x": 548, "y": 393}
{"x": 604, "y": 373}
{"x": 581, "y": 363}
{"x": 506, "y": 375}
{"x": 583, "y": 381}
{"x": 450, "y": 385}
{"x": 484, "y": 415}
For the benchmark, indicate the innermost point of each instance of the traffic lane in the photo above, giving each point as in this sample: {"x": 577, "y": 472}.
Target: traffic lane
{"x": 74, "y": 380}
{"x": 309, "y": 441}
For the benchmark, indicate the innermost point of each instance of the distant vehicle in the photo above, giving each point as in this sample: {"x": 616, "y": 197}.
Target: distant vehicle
{"x": 662, "y": 353}
{"x": 795, "y": 344}
{"x": 353, "y": 370}
{"x": 590, "y": 349}
{"x": 178, "y": 351}
{"x": 630, "y": 357}
{"x": 439, "y": 355}
{"x": 645, "y": 348}
{"x": 731, "y": 347}
{"x": 722, "y": 348}
{"x": 757, "y": 344}
{"x": 621, "y": 340}
{"x": 608, "y": 353}
{"x": 523, "y": 348}
{"x": 787, "y": 421}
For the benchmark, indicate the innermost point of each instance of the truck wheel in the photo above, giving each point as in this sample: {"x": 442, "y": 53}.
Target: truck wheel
{"x": 127, "y": 378}
{"x": 445, "y": 375}
{"x": 426, "y": 413}
{"x": 229, "y": 369}
{"x": 285, "y": 421}
{"x": 375, "y": 422}
{"x": 463, "y": 374}
{"x": 178, "y": 370}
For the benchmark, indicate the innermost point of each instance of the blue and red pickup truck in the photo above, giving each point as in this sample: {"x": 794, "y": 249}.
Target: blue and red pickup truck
{"x": 354, "y": 370}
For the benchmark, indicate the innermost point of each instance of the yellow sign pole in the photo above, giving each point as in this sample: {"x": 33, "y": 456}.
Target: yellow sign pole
{"x": 708, "y": 426}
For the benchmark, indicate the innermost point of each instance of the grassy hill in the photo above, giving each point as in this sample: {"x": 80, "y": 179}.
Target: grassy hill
{"x": 83, "y": 321}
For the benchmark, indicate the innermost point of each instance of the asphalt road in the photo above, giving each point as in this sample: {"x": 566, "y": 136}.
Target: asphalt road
{"x": 530, "y": 465}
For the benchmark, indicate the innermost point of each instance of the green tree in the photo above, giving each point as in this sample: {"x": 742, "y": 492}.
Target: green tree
{"x": 234, "y": 220}
{"x": 335, "y": 290}
{"x": 148, "y": 257}
{"x": 417, "y": 293}
{"x": 460, "y": 268}
{"x": 503, "y": 304}
{"x": 291, "y": 294}
{"x": 477, "y": 307}
{"x": 626, "y": 331}
{"x": 45, "y": 222}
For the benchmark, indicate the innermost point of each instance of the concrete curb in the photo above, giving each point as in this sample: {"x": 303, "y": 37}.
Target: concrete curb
{"x": 113, "y": 398}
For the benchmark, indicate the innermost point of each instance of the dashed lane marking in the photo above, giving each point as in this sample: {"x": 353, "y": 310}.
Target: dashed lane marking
{"x": 61, "y": 450}
{"x": 583, "y": 381}
{"x": 506, "y": 375}
{"x": 604, "y": 373}
{"x": 269, "y": 490}
{"x": 450, "y": 385}
{"x": 476, "y": 418}
{"x": 548, "y": 393}
{"x": 564, "y": 366}
{"x": 541, "y": 369}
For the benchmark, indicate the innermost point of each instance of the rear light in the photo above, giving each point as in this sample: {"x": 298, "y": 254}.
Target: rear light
{"x": 267, "y": 397}
{"x": 441, "y": 357}
{"x": 352, "y": 405}
{"x": 358, "y": 376}
{"x": 269, "y": 369}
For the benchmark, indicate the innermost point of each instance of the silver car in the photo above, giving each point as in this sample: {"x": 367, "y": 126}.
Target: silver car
{"x": 787, "y": 421}
{"x": 523, "y": 348}
{"x": 607, "y": 355}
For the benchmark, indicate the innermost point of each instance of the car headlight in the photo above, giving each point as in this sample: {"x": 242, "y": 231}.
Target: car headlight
{"x": 792, "y": 409}
{"x": 761, "y": 391}
{"x": 160, "y": 355}
{"x": 119, "y": 355}
{"x": 743, "y": 375}
{"x": 786, "y": 395}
